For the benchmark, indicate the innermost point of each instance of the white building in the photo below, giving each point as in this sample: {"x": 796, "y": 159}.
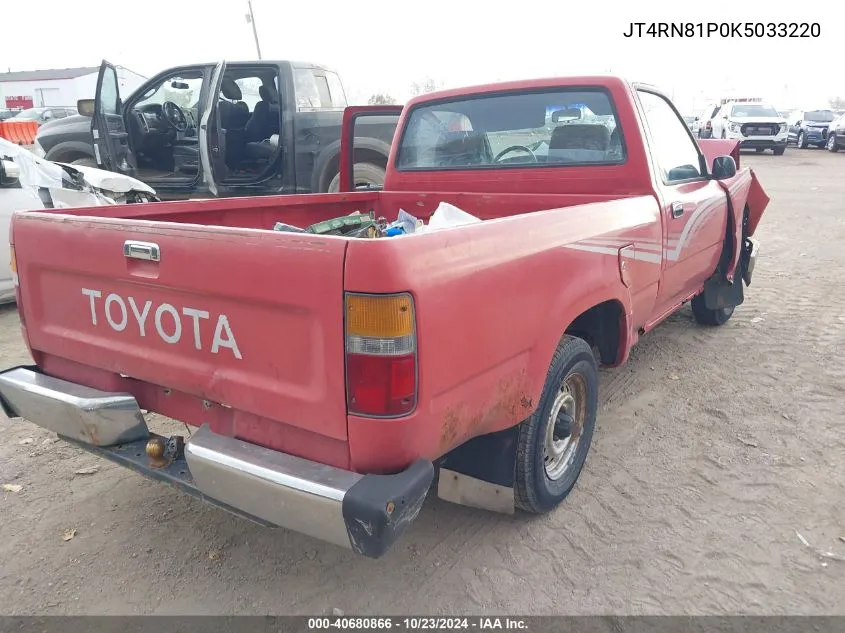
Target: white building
{"x": 61, "y": 87}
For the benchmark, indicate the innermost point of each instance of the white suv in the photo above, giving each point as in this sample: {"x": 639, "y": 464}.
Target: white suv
{"x": 754, "y": 124}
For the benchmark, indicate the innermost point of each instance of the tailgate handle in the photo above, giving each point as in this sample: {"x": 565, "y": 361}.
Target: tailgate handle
{"x": 142, "y": 250}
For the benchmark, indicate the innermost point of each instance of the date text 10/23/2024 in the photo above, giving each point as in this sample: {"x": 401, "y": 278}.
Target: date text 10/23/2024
{"x": 724, "y": 29}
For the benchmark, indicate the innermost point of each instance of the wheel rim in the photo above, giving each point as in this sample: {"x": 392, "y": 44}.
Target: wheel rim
{"x": 565, "y": 426}
{"x": 831, "y": 141}
{"x": 801, "y": 138}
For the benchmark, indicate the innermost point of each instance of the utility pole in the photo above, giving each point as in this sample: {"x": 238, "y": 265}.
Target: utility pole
{"x": 250, "y": 18}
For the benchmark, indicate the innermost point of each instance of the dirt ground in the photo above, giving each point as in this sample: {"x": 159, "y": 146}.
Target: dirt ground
{"x": 713, "y": 448}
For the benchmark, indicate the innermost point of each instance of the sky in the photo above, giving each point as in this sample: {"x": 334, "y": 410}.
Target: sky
{"x": 387, "y": 46}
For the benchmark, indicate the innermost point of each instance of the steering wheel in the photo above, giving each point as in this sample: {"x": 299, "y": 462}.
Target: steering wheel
{"x": 174, "y": 116}
{"x": 514, "y": 148}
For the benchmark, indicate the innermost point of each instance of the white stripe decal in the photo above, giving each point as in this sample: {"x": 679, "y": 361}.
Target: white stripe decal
{"x": 649, "y": 250}
{"x": 653, "y": 258}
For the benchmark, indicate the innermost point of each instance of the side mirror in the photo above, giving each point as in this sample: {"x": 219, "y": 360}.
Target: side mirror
{"x": 85, "y": 107}
{"x": 9, "y": 172}
{"x": 724, "y": 167}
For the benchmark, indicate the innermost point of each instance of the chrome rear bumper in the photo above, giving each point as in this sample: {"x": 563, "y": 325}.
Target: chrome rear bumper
{"x": 366, "y": 513}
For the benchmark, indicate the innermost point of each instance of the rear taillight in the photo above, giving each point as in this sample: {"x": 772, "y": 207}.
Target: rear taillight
{"x": 381, "y": 355}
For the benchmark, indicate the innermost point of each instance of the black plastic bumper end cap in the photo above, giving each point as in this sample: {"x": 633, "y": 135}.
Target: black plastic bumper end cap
{"x": 378, "y": 508}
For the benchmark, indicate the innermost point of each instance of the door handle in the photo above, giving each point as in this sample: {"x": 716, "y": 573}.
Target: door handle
{"x": 142, "y": 250}
{"x": 677, "y": 209}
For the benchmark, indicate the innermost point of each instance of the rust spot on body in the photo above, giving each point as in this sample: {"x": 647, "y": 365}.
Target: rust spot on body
{"x": 508, "y": 405}
{"x": 449, "y": 429}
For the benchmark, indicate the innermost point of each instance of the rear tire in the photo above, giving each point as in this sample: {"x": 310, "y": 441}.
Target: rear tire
{"x": 553, "y": 443}
{"x": 802, "y": 141}
{"x": 85, "y": 162}
{"x": 779, "y": 151}
{"x": 364, "y": 174}
{"x": 705, "y": 316}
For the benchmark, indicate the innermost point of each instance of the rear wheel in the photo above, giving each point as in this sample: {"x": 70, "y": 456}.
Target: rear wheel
{"x": 779, "y": 151}
{"x": 554, "y": 442}
{"x": 802, "y": 141}
{"x": 705, "y": 316}
{"x": 364, "y": 174}
{"x": 832, "y": 145}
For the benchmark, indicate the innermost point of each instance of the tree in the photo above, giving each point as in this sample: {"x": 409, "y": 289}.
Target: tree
{"x": 837, "y": 103}
{"x": 381, "y": 98}
{"x": 429, "y": 85}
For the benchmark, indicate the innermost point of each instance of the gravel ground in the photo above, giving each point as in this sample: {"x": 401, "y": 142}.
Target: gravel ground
{"x": 713, "y": 449}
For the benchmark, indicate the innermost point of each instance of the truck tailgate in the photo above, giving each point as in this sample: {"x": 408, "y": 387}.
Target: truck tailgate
{"x": 249, "y": 319}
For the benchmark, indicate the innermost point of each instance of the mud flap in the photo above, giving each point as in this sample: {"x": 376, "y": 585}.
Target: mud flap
{"x": 719, "y": 293}
{"x": 480, "y": 472}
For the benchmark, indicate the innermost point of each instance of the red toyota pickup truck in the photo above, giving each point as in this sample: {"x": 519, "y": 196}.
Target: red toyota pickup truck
{"x": 329, "y": 382}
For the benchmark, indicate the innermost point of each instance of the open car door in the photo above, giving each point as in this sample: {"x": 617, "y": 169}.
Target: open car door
{"x": 212, "y": 140}
{"x": 360, "y": 124}
{"x": 108, "y": 128}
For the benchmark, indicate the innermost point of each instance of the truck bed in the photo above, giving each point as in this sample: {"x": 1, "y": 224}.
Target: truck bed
{"x": 259, "y": 342}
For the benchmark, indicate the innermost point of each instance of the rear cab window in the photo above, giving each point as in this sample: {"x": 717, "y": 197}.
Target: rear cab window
{"x": 556, "y": 127}
{"x": 318, "y": 89}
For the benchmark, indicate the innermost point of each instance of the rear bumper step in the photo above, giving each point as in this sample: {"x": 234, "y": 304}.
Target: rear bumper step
{"x": 366, "y": 513}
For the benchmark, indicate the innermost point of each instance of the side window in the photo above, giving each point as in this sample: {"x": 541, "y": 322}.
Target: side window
{"x": 323, "y": 91}
{"x": 336, "y": 89}
{"x": 675, "y": 152}
{"x": 182, "y": 89}
{"x": 307, "y": 93}
{"x": 109, "y": 92}
{"x": 318, "y": 90}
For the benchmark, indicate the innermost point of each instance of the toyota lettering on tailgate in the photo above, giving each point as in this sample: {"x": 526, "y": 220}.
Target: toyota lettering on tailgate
{"x": 166, "y": 320}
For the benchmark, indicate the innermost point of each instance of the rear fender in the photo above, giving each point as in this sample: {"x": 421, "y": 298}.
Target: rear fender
{"x": 567, "y": 309}
{"x": 480, "y": 472}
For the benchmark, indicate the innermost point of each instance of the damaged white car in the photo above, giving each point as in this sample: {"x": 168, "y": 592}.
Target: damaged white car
{"x": 29, "y": 183}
